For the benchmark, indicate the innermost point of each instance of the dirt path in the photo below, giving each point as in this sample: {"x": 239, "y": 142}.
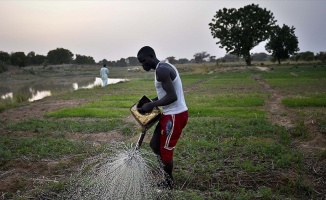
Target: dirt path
{"x": 280, "y": 115}
{"x": 195, "y": 85}
{"x": 38, "y": 108}
{"x": 277, "y": 113}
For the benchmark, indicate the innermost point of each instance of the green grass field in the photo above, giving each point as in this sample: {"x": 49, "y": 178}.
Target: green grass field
{"x": 229, "y": 149}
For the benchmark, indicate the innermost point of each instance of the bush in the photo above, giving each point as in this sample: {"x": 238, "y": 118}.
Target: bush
{"x": 3, "y": 68}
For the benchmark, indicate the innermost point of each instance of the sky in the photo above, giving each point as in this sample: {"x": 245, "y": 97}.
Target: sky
{"x": 112, "y": 29}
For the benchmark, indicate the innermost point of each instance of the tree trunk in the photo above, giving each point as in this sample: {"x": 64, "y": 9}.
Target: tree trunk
{"x": 248, "y": 59}
{"x": 279, "y": 60}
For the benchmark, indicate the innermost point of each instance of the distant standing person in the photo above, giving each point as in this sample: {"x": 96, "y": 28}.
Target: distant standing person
{"x": 104, "y": 75}
{"x": 175, "y": 112}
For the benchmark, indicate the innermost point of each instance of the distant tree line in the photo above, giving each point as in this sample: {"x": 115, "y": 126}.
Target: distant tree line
{"x": 262, "y": 57}
{"x": 64, "y": 56}
{"x": 54, "y": 57}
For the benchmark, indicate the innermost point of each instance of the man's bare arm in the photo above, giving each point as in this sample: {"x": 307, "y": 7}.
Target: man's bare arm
{"x": 163, "y": 75}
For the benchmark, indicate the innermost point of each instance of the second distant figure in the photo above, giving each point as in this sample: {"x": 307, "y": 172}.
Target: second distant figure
{"x": 104, "y": 75}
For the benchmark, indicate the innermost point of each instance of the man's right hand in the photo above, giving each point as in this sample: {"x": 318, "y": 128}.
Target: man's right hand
{"x": 146, "y": 108}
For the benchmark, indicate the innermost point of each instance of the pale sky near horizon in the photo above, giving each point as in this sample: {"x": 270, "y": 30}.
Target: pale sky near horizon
{"x": 113, "y": 29}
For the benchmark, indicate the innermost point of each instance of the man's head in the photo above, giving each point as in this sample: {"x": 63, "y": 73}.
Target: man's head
{"x": 146, "y": 56}
{"x": 104, "y": 65}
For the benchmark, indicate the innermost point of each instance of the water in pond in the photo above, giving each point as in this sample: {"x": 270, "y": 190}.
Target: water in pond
{"x": 121, "y": 173}
{"x": 39, "y": 89}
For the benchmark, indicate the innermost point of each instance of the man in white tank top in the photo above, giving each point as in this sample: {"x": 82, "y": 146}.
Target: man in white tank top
{"x": 175, "y": 112}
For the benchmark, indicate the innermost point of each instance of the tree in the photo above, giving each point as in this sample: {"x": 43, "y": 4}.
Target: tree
{"x": 183, "y": 60}
{"x": 229, "y": 58}
{"x": 102, "y": 62}
{"x": 111, "y": 63}
{"x": 212, "y": 58}
{"x": 172, "y": 60}
{"x": 121, "y": 63}
{"x": 241, "y": 30}
{"x": 18, "y": 59}
{"x": 60, "y": 56}
{"x": 260, "y": 56}
{"x": 45, "y": 63}
{"x": 30, "y": 58}
{"x": 200, "y": 57}
{"x": 132, "y": 61}
{"x": 39, "y": 59}
{"x": 282, "y": 43}
{"x": 4, "y": 57}
{"x": 321, "y": 56}
{"x": 80, "y": 59}
{"x": 306, "y": 56}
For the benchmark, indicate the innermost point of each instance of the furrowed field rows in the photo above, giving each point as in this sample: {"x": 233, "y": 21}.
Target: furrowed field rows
{"x": 235, "y": 146}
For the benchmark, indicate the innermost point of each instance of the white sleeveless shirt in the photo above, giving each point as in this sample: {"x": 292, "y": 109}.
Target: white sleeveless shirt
{"x": 179, "y": 105}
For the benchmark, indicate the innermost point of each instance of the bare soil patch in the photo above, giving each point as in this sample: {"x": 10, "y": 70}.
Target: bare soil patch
{"x": 25, "y": 175}
{"x": 38, "y": 108}
{"x": 97, "y": 138}
{"x": 263, "y": 68}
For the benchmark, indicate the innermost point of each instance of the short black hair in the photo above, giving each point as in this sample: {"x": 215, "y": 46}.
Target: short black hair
{"x": 147, "y": 51}
{"x": 104, "y": 65}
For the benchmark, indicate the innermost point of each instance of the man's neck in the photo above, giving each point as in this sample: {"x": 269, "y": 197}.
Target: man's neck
{"x": 156, "y": 62}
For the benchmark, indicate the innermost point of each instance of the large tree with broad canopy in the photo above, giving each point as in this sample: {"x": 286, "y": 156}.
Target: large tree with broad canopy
{"x": 60, "y": 56}
{"x": 282, "y": 43}
{"x": 240, "y": 30}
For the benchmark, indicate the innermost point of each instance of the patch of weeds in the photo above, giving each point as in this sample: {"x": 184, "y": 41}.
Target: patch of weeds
{"x": 299, "y": 130}
{"x": 301, "y": 112}
{"x": 322, "y": 126}
{"x": 283, "y": 114}
{"x": 19, "y": 183}
{"x": 66, "y": 126}
{"x": 63, "y": 165}
{"x": 267, "y": 151}
{"x": 265, "y": 192}
{"x": 39, "y": 147}
{"x": 284, "y": 160}
{"x": 226, "y": 112}
{"x": 3, "y": 68}
{"x": 322, "y": 155}
{"x": 7, "y": 195}
{"x": 128, "y": 129}
{"x": 54, "y": 186}
{"x": 285, "y": 137}
{"x": 215, "y": 128}
{"x": 189, "y": 194}
{"x": 227, "y": 195}
{"x": 20, "y": 97}
{"x": 84, "y": 112}
{"x": 308, "y": 101}
{"x": 109, "y": 104}
{"x": 298, "y": 187}
{"x": 5, "y": 154}
{"x": 129, "y": 98}
{"x": 225, "y": 100}
{"x": 249, "y": 166}
{"x": 7, "y": 104}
